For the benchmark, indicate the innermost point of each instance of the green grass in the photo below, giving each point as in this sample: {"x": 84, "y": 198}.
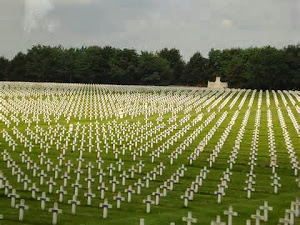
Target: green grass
{"x": 204, "y": 206}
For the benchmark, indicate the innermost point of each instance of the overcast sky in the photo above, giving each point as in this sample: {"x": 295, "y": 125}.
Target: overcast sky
{"x": 189, "y": 25}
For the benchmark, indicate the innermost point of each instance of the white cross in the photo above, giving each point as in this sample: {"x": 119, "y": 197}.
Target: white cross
{"x": 185, "y": 198}
{"x": 119, "y": 198}
{"x": 21, "y": 208}
{"x": 218, "y": 221}
{"x": 257, "y": 217}
{"x": 55, "y": 210}
{"x": 43, "y": 200}
{"x": 189, "y": 219}
{"x": 129, "y": 192}
{"x": 266, "y": 208}
{"x": 74, "y": 203}
{"x": 230, "y": 213}
{"x": 13, "y": 195}
{"x": 89, "y": 196}
{"x": 148, "y": 202}
{"x": 142, "y": 221}
{"x": 105, "y": 207}
{"x": 285, "y": 220}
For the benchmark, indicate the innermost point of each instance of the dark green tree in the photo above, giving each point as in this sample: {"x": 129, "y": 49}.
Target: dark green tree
{"x": 176, "y": 64}
{"x": 17, "y": 68}
{"x": 267, "y": 68}
{"x": 98, "y": 61}
{"x": 153, "y": 70}
{"x": 123, "y": 65}
{"x": 43, "y": 63}
{"x": 4, "y": 64}
{"x": 293, "y": 56}
{"x": 260, "y": 68}
{"x": 197, "y": 70}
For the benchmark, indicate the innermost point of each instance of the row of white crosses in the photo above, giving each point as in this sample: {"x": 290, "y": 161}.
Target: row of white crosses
{"x": 217, "y": 101}
{"x": 289, "y": 95}
{"x": 22, "y": 206}
{"x": 245, "y": 98}
{"x": 290, "y": 148}
{"x": 294, "y": 120}
{"x": 60, "y": 197}
{"x": 178, "y": 151}
{"x": 211, "y": 97}
{"x": 289, "y": 218}
{"x": 99, "y": 87}
{"x": 180, "y": 170}
{"x": 60, "y": 137}
{"x": 174, "y": 155}
{"x": 296, "y": 105}
{"x": 64, "y": 150}
{"x": 72, "y": 210}
{"x": 224, "y": 103}
{"x": 291, "y": 213}
{"x": 202, "y": 103}
{"x": 223, "y": 185}
{"x": 189, "y": 193}
{"x": 163, "y": 189}
{"x": 271, "y": 136}
{"x": 193, "y": 156}
{"x": 186, "y": 117}
{"x": 226, "y": 174}
{"x": 173, "y": 179}
{"x": 189, "y": 219}
{"x": 51, "y": 182}
{"x": 74, "y": 202}
{"x": 199, "y": 179}
{"x": 254, "y": 147}
{"x": 296, "y": 94}
{"x": 213, "y": 156}
{"x": 58, "y": 143}
{"x": 273, "y": 156}
{"x": 257, "y": 217}
{"x": 43, "y": 198}
{"x": 229, "y": 213}
{"x": 78, "y": 93}
{"x": 188, "y": 196}
{"x": 237, "y": 97}
{"x": 289, "y": 111}
{"x": 237, "y": 144}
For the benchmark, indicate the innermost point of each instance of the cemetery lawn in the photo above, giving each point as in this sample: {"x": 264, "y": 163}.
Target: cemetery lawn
{"x": 204, "y": 206}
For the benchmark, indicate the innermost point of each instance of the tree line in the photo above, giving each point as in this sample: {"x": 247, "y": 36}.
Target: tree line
{"x": 256, "y": 67}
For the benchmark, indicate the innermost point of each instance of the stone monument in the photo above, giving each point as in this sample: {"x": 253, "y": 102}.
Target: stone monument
{"x": 217, "y": 84}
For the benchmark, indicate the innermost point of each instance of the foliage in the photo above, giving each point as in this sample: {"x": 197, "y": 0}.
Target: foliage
{"x": 197, "y": 70}
{"x": 153, "y": 69}
{"x": 176, "y": 64}
{"x": 256, "y": 68}
{"x": 4, "y": 64}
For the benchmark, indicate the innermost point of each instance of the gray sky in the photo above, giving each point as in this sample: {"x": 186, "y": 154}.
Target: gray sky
{"x": 189, "y": 25}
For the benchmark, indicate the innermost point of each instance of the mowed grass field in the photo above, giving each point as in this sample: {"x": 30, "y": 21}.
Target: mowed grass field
{"x": 41, "y": 103}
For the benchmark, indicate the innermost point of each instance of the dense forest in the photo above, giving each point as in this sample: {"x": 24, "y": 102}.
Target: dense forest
{"x": 255, "y": 67}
